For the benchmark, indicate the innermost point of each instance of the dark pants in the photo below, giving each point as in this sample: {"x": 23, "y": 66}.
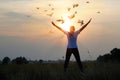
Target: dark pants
{"x": 77, "y": 57}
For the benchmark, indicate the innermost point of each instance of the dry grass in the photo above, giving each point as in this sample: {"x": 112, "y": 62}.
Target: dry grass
{"x": 54, "y": 71}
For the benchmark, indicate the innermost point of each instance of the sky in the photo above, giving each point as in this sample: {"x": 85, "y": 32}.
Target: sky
{"x": 27, "y": 31}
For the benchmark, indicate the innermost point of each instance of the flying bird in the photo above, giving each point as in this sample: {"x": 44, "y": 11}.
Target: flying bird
{"x": 98, "y": 12}
{"x": 87, "y": 2}
{"x": 52, "y": 9}
{"x": 81, "y": 22}
{"x": 71, "y": 16}
{"x": 37, "y": 8}
{"x": 60, "y": 20}
{"x": 68, "y": 9}
{"x": 49, "y": 4}
{"x": 28, "y": 16}
{"x": 75, "y": 5}
{"x": 50, "y": 14}
{"x": 45, "y": 10}
{"x": 75, "y": 12}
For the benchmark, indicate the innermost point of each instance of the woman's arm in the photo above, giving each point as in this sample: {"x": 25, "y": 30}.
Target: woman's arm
{"x": 57, "y": 27}
{"x": 83, "y": 27}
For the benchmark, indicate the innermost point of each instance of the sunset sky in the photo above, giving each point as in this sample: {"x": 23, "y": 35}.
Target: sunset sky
{"x": 27, "y": 31}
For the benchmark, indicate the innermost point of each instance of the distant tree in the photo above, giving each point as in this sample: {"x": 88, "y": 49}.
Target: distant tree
{"x": 113, "y": 56}
{"x": 104, "y": 58}
{"x": 99, "y": 58}
{"x": 0, "y": 62}
{"x": 6, "y": 60}
{"x": 20, "y": 60}
{"x": 40, "y": 61}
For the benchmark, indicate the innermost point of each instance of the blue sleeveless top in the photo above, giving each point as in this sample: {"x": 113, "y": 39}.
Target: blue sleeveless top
{"x": 72, "y": 39}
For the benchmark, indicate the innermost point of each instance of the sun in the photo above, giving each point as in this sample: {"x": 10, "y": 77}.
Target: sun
{"x": 66, "y": 25}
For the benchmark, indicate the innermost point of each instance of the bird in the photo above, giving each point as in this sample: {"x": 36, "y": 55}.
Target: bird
{"x": 45, "y": 10}
{"x": 98, "y": 12}
{"x": 60, "y": 20}
{"x": 49, "y": 4}
{"x": 37, "y": 8}
{"x": 68, "y": 9}
{"x": 87, "y": 2}
{"x": 50, "y": 14}
{"x": 63, "y": 57}
{"x": 81, "y": 22}
{"x": 75, "y": 5}
{"x": 28, "y": 16}
{"x": 71, "y": 16}
{"x": 52, "y": 9}
{"x": 75, "y": 12}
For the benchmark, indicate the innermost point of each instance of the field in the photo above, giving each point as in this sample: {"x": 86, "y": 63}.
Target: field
{"x": 54, "y": 71}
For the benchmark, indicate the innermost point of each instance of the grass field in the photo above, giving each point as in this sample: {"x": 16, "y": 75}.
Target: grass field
{"x": 54, "y": 71}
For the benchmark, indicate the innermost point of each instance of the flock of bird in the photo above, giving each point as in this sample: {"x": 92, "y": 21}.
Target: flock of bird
{"x": 68, "y": 9}
{"x": 61, "y": 20}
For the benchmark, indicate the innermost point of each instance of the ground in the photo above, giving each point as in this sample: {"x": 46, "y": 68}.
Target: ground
{"x": 55, "y": 71}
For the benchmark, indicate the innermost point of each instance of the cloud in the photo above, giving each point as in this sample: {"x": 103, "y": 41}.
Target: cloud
{"x": 12, "y": 18}
{"x": 19, "y": 24}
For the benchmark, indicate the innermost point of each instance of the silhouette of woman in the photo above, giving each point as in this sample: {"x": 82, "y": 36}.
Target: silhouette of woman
{"x": 72, "y": 45}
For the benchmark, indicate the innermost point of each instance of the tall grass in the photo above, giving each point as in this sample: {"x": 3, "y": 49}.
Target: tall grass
{"x": 54, "y": 71}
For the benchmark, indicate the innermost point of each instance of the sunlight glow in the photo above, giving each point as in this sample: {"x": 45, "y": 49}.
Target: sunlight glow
{"x": 66, "y": 25}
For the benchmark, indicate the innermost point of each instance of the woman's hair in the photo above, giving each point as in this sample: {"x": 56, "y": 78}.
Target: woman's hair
{"x": 72, "y": 27}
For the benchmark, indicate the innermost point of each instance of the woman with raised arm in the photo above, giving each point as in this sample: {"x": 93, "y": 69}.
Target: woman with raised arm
{"x": 72, "y": 44}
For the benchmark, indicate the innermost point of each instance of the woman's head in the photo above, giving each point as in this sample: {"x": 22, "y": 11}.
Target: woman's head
{"x": 72, "y": 29}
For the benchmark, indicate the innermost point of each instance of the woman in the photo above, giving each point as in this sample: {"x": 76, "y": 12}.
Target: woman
{"x": 72, "y": 44}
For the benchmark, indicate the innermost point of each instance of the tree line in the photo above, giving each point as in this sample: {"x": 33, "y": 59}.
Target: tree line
{"x": 19, "y": 60}
{"x": 113, "y": 56}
